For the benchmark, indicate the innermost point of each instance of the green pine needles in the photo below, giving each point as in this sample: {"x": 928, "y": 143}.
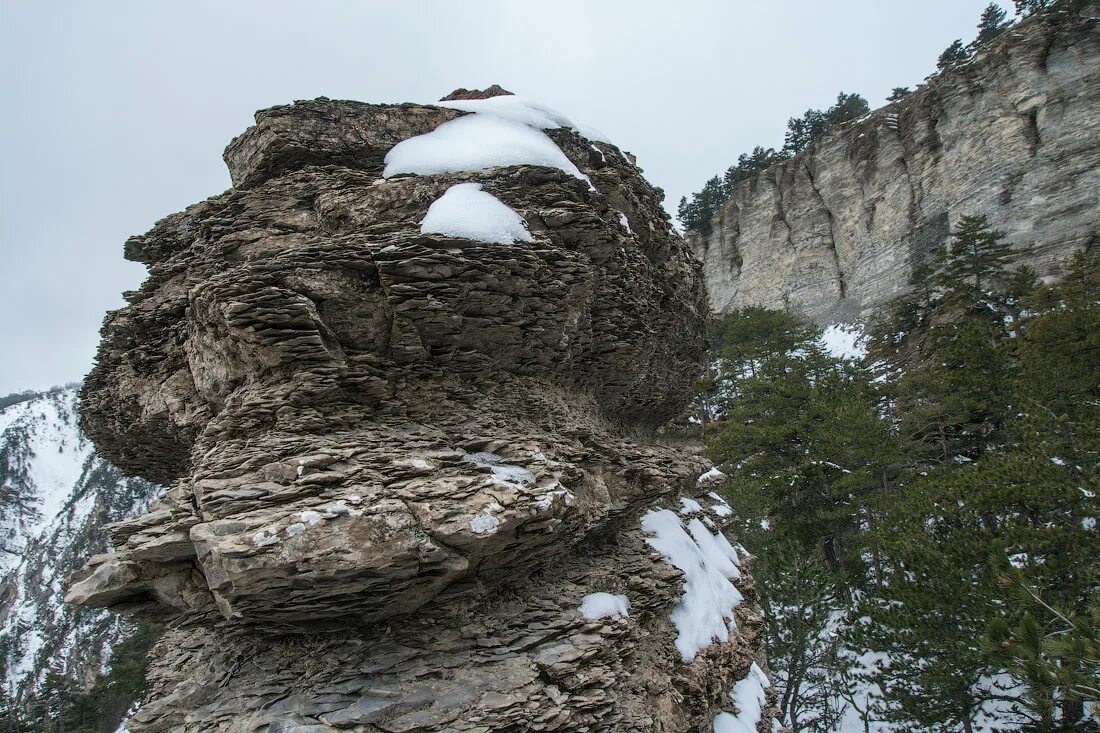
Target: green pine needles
{"x": 875, "y": 494}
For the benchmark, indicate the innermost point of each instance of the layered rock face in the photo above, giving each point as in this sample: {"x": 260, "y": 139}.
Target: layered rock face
{"x": 834, "y": 233}
{"x": 400, "y": 460}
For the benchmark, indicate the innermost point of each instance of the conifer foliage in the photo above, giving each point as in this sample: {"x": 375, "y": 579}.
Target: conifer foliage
{"x": 696, "y": 211}
{"x": 64, "y": 704}
{"x": 927, "y": 526}
{"x": 695, "y": 214}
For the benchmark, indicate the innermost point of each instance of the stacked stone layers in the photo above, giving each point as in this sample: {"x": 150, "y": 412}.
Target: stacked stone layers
{"x": 834, "y": 233}
{"x": 399, "y": 460}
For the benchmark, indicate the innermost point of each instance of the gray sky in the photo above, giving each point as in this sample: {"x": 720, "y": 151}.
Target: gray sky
{"x": 115, "y": 113}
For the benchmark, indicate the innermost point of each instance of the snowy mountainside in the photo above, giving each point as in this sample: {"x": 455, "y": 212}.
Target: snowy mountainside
{"x": 55, "y": 496}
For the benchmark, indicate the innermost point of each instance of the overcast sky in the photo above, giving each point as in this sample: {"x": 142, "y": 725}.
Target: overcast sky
{"x": 115, "y": 114}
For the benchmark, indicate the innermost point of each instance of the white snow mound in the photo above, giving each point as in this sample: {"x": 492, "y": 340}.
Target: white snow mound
{"x": 712, "y": 475}
{"x": 526, "y": 112}
{"x": 466, "y": 211}
{"x": 476, "y": 143}
{"x": 603, "y": 605}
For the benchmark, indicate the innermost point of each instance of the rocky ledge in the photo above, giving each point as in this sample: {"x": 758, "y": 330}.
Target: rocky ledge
{"x": 403, "y": 455}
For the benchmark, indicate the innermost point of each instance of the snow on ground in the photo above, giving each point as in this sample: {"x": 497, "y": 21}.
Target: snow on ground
{"x": 844, "y": 341}
{"x": 720, "y": 508}
{"x": 749, "y": 698}
{"x": 604, "y": 605}
{"x": 476, "y": 143}
{"x": 44, "y": 456}
{"x": 58, "y": 493}
{"x": 709, "y": 563}
{"x": 467, "y": 211}
{"x": 526, "y": 112}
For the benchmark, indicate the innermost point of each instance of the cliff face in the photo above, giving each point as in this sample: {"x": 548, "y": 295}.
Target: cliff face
{"x": 402, "y": 456}
{"x": 833, "y": 234}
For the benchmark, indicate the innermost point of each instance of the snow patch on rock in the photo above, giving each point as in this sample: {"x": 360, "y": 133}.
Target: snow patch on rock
{"x": 476, "y": 143}
{"x": 711, "y": 476}
{"x": 749, "y": 698}
{"x": 467, "y": 211}
{"x": 604, "y": 605}
{"x": 519, "y": 109}
{"x": 709, "y": 563}
{"x": 502, "y": 473}
{"x": 484, "y": 523}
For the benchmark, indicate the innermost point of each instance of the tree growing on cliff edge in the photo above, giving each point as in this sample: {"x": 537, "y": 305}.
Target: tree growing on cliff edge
{"x": 805, "y": 130}
{"x": 1030, "y": 7}
{"x": 953, "y": 55}
{"x": 1027, "y": 7}
{"x": 749, "y": 164}
{"x": 696, "y": 212}
{"x": 994, "y": 22}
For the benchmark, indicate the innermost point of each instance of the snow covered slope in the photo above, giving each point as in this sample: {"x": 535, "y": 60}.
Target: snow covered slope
{"x": 55, "y": 497}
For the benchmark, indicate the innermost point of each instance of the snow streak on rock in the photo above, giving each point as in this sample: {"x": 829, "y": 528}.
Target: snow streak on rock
{"x": 709, "y": 563}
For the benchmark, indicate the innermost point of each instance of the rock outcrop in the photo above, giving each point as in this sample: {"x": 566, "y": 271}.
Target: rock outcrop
{"x": 834, "y": 233}
{"x": 400, "y": 460}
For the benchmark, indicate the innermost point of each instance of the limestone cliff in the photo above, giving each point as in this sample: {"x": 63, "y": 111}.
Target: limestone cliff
{"x": 833, "y": 234}
{"x": 400, "y": 460}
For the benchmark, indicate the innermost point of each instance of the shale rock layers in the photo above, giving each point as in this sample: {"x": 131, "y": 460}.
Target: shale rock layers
{"x": 399, "y": 461}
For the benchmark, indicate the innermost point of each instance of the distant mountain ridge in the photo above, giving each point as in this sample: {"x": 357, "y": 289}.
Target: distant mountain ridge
{"x": 56, "y": 495}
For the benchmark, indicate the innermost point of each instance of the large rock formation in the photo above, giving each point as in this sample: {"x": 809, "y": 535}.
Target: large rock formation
{"x": 399, "y": 460}
{"x": 833, "y": 234}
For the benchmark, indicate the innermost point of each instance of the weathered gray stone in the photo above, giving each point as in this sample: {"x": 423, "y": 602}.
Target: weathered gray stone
{"x": 399, "y": 461}
{"x": 834, "y": 233}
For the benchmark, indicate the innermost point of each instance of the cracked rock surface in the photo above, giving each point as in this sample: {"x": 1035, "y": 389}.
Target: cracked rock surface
{"x": 398, "y": 461}
{"x": 833, "y": 234}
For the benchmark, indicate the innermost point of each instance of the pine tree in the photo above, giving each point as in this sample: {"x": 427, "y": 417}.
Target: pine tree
{"x": 953, "y": 55}
{"x": 749, "y": 164}
{"x": 1019, "y": 407}
{"x": 803, "y": 131}
{"x": 891, "y": 496}
{"x": 846, "y": 108}
{"x": 992, "y": 23}
{"x": 898, "y": 94}
{"x": 1054, "y": 652}
{"x": 976, "y": 259}
{"x": 1029, "y": 7}
{"x": 806, "y": 429}
{"x": 12, "y": 718}
{"x": 932, "y": 609}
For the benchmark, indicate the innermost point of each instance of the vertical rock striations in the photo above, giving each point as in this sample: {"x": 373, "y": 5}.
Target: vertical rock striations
{"x": 833, "y": 234}
{"x": 399, "y": 461}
